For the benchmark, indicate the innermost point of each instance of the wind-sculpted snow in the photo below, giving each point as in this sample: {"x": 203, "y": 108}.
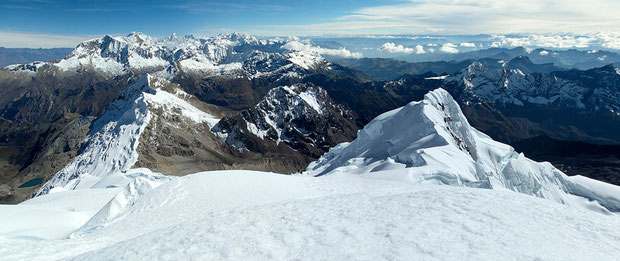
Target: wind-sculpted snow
{"x": 240, "y": 215}
{"x": 142, "y": 181}
{"x": 111, "y": 146}
{"x": 432, "y": 142}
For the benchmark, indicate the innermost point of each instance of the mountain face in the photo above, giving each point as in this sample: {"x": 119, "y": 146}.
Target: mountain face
{"x": 386, "y": 69}
{"x": 155, "y": 125}
{"x": 100, "y": 69}
{"x": 511, "y": 105}
{"x": 301, "y": 116}
{"x": 115, "y": 191}
{"x": 111, "y": 146}
{"x": 431, "y": 141}
{"x": 576, "y": 90}
{"x": 578, "y": 105}
{"x": 230, "y": 54}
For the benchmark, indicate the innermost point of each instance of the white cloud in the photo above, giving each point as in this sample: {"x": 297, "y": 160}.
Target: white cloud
{"x": 606, "y": 40}
{"x": 449, "y": 48}
{"x": 419, "y": 49}
{"x": 34, "y": 40}
{"x": 295, "y": 45}
{"x": 543, "y": 53}
{"x": 467, "y": 45}
{"x": 431, "y": 44}
{"x": 393, "y": 48}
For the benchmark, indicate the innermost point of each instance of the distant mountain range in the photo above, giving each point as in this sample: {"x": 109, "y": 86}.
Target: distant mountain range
{"x": 387, "y": 69}
{"x": 10, "y": 56}
{"x": 572, "y": 58}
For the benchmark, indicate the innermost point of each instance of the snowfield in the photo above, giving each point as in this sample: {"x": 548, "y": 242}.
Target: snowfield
{"x": 252, "y": 215}
{"x": 418, "y": 183}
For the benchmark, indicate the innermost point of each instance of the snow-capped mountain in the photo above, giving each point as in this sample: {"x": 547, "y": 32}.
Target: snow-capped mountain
{"x": 155, "y": 125}
{"x": 593, "y": 90}
{"x": 431, "y": 141}
{"x": 229, "y": 54}
{"x": 111, "y": 148}
{"x": 302, "y": 116}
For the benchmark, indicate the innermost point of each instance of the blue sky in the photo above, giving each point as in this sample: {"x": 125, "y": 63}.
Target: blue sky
{"x": 158, "y": 17}
{"x": 50, "y": 23}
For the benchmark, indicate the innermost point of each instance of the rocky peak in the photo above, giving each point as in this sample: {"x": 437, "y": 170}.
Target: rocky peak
{"x": 300, "y": 116}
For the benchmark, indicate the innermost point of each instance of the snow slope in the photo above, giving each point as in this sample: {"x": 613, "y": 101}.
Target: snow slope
{"x": 52, "y": 216}
{"x": 111, "y": 146}
{"x": 236, "y": 215}
{"x": 431, "y": 141}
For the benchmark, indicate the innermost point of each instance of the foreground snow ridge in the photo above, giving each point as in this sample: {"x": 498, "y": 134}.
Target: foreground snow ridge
{"x": 241, "y": 215}
{"x": 431, "y": 141}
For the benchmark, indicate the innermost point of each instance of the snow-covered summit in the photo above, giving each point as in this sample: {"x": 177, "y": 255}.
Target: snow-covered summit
{"x": 431, "y": 141}
{"x": 230, "y": 54}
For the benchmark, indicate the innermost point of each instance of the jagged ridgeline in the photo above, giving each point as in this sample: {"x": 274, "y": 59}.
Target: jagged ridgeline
{"x": 180, "y": 105}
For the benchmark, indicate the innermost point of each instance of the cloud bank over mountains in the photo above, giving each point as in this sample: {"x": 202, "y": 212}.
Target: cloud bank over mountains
{"x": 605, "y": 40}
{"x": 297, "y": 45}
